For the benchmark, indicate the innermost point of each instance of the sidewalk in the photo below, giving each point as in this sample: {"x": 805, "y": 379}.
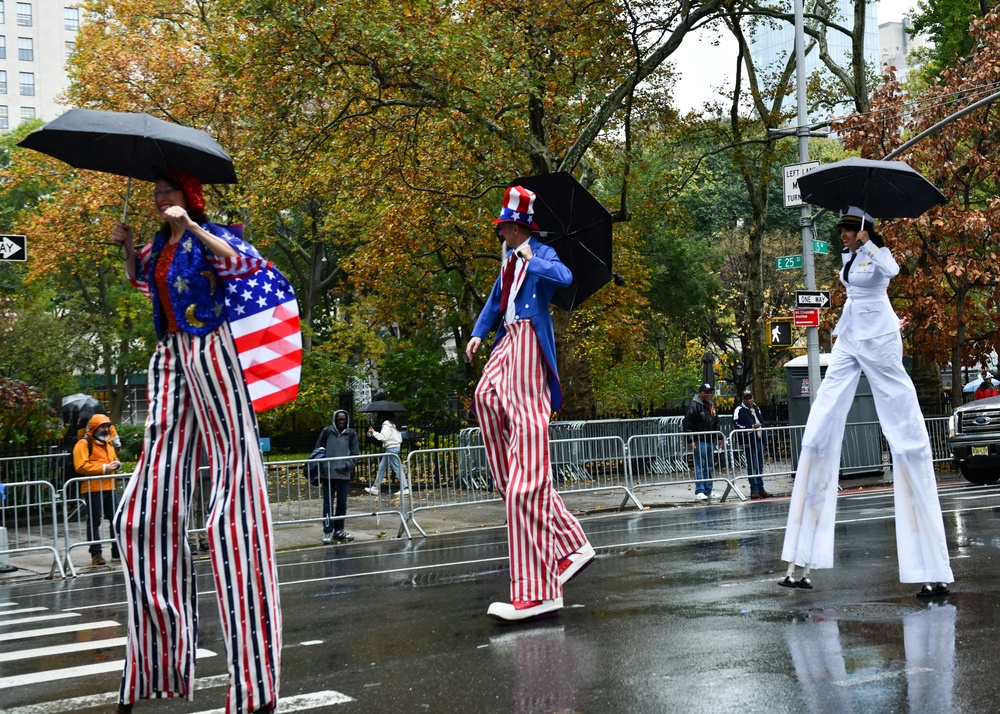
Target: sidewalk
{"x": 368, "y": 528}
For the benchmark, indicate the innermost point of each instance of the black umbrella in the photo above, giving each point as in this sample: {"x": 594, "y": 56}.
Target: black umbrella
{"x": 78, "y": 402}
{"x": 134, "y": 145}
{"x": 382, "y": 405}
{"x": 578, "y": 226}
{"x": 885, "y": 189}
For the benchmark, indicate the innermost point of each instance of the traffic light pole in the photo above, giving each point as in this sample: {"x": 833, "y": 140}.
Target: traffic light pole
{"x": 805, "y": 220}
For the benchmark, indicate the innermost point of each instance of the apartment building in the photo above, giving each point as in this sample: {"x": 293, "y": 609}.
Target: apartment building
{"x": 36, "y": 37}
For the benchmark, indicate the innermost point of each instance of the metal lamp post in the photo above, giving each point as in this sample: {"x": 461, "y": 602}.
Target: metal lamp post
{"x": 661, "y": 345}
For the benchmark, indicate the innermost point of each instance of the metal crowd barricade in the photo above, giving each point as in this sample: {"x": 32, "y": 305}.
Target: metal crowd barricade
{"x": 646, "y": 473}
{"x": 46, "y": 467}
{"x": 781, "y": 449}
{"x": 937, "y": 430}
{"x": 295, "y": 500}
{"x": 76, "y": 514}
{"x": 598, "y": 464}
{"x": 28, "y": 513}
{"x": 441, "y": 479}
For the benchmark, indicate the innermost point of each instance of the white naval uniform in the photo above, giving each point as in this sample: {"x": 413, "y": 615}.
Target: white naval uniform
{"x": 868, "y": 340}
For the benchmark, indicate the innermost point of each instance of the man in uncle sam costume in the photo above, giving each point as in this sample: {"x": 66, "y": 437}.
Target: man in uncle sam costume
{"x": 517, "y": 393}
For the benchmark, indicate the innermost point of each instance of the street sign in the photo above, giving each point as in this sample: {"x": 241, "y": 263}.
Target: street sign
{"x": 13, "y": 247}
{"x": 805, "y": 299}
{"x": 788, "y": 262}
{"x": 806, "y": 318}
{"x": 821, "y": 247}
{"x": 793, "y": 198}
{"x": 779, "y": 332}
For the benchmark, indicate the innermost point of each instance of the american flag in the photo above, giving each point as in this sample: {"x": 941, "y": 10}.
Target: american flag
{"x": 264, "y": 318}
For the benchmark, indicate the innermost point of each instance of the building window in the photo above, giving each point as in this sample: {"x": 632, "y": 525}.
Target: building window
{"x": 3, "y": 13}
{"x": 27, "y": 81}
{"x": 4, "y": 121}
{"x": 70, "y": 46}
{"x": 25, "y": 49}
{"x": 3, "y": 81}
{"x": 71, "y": 18}
{"x": 3, "y": 47}
{"x": 27, "y": 113}
{"x": 24, "y": 14}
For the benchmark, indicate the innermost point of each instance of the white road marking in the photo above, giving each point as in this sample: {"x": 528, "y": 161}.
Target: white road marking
{"x": 23, "y": 610}
{"x": 301, "y": 702}
{"x": 94, "y": 701}
{"x": 62, "y": 649}
{"x": 87, "y": 670}
{"x": 45, "y": 618}
{"x": 46, "y": 631}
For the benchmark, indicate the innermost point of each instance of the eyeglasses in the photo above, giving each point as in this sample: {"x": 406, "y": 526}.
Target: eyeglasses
{"x": 163, "y": 192}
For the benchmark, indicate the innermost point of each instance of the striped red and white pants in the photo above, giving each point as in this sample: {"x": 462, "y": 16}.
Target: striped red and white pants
{"x": 513, "y": 405}
{"x": 199, "y": 401}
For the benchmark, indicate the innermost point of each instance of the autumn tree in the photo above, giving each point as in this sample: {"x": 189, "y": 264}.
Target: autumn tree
{"x": 949, "y": 286}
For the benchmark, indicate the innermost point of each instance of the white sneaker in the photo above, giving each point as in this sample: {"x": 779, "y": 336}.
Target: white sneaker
{"x": 328, "y": 538}
{"x": 370, "y": 490}
{"x": 518, "y": 610}
{"x": 714, "y": 496}
{"x": 570, "y": 566}
{"x": 405, "y": 492}
{"x": 700, "y": 497}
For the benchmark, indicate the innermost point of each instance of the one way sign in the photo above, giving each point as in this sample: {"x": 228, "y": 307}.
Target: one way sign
{"x": 13, "y": 247}
{"x": 805, "y": 299}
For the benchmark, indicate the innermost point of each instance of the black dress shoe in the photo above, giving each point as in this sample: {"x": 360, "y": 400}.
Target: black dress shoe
{"x": 788, "y": 582}
{"x": 935, "y": 590}
{"x": 123, "y": 708}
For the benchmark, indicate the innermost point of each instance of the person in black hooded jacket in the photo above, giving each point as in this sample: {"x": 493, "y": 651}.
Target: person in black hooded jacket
{"x": 339, "y": 440}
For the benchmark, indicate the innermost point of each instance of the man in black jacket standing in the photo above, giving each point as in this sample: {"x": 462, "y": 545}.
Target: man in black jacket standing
{"x": 750, "y": 421}
{"x": 701, "y": 417}
{"x": 338, "y": 440}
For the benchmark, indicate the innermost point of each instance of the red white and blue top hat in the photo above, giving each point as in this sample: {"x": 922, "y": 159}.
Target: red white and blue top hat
{"x": 518, "y": 207}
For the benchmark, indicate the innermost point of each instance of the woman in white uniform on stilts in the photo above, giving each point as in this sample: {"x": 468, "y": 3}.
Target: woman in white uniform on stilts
{"x": 869, "y": 341}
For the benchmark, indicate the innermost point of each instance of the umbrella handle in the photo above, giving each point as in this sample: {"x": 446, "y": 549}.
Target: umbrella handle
{"x": 128, "y": 191}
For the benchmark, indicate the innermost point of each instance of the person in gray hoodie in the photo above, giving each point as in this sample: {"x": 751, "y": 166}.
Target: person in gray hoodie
{"x": 339, "y": 440}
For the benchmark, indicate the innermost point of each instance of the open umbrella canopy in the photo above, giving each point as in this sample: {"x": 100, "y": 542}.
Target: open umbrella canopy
{"x": 578, "y": 226}
{"x": 382, "y": 405}
{"x": 130, "y": 144}
{"x": 885, "y": 189}
{"x": 974, "y": 384}
{"x": 78, "y": 402}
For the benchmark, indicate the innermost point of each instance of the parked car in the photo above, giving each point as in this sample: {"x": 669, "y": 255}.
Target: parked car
{"x": 974, "y": 440}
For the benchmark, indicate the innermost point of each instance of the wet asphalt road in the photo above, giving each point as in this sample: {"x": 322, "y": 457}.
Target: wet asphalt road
{"x": 681, "y": 612}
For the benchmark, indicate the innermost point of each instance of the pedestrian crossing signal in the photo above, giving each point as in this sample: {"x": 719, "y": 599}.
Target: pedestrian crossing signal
{"x": 779, "y": 333}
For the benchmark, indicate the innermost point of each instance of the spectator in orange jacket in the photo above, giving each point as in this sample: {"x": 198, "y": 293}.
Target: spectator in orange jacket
{"x": 987, "y": 388}
{"x": 94, "y": 455}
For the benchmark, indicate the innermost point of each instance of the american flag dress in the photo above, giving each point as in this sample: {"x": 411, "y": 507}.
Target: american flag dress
{"x": 200, "y": 404}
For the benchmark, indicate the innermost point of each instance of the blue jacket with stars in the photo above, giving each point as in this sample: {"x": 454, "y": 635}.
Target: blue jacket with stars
{"x": 194, "y": 279}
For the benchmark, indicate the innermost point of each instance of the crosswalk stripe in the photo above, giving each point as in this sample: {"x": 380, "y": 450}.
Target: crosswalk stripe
{"x": 62, "y": 630}
{"x": 62, "y": 649}
{"x": 52, "y": 675}
{"x": 302, "y": 702}
{"x": 53, "y": 616}
{"x": 23, "y": 610}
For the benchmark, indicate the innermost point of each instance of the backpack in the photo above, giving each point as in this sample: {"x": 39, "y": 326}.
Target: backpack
{"x": 70, "y": 466}
{"x": 313, "y": 469}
